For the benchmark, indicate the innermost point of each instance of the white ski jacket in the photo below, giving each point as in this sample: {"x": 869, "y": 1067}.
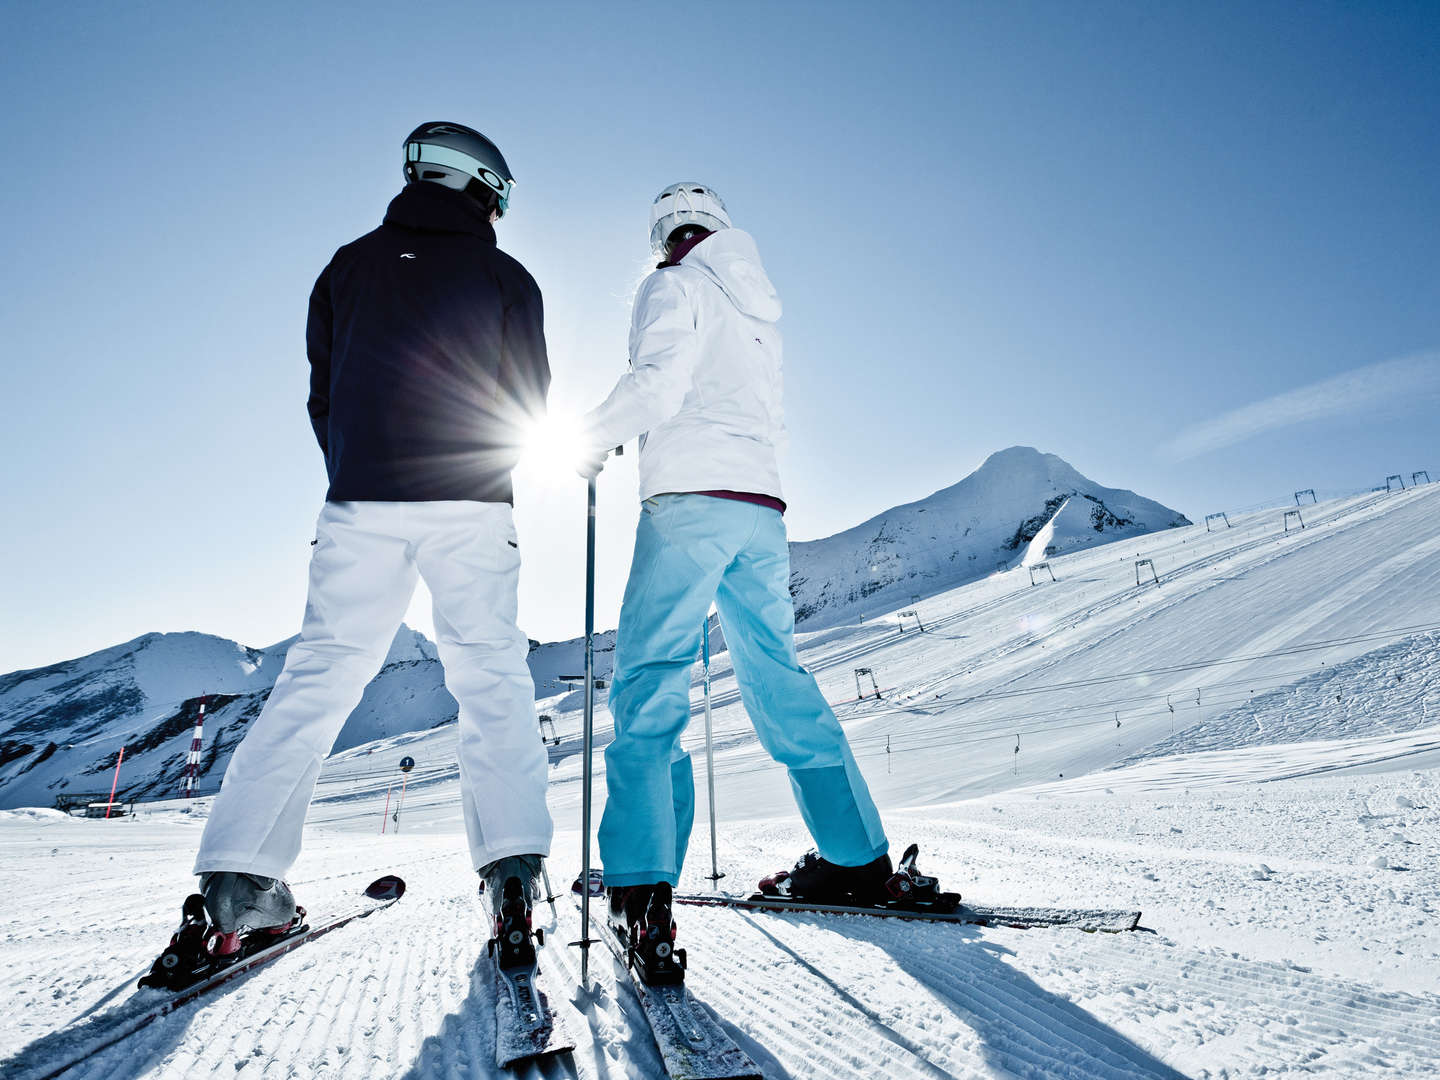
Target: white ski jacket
{"x": 704, "y": 385}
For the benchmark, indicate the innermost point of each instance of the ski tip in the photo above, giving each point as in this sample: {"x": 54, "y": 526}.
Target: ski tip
{"x": 595, "y": 884}
{"x": 388, "y": 887}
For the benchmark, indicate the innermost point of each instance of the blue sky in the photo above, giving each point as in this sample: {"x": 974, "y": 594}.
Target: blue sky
{"x": 1130, "y": 234}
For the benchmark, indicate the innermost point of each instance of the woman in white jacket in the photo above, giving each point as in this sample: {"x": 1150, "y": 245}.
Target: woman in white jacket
{"x": 704, "y": 394}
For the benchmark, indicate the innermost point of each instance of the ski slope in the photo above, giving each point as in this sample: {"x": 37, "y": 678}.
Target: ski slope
{"x": 1270, "y": 799}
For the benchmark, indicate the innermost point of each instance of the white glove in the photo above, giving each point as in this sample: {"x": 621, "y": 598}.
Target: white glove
{"x": 591, "y": 461}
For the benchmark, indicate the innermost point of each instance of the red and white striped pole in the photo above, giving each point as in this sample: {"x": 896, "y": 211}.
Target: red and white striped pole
{"x": 119, "y": 758}
{"x": 192, "y": 763}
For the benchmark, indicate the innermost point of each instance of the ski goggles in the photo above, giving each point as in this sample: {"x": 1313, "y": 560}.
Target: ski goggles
{"x": 431, "y": 154}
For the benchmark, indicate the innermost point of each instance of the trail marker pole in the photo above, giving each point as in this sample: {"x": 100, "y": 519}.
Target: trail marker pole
{"x": 118, "y": 759}
{"x": 385, "y": 817}
{"x": 400, "y": 803}
{"x": 406, "y": 764}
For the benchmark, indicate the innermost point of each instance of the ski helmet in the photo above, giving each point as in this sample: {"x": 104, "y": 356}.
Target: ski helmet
{"x": 460, "y": 158}
{"x": 686, "y": 203}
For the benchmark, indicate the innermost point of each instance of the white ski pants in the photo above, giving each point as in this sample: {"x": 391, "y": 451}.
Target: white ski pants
{"x": 363, "y": 570}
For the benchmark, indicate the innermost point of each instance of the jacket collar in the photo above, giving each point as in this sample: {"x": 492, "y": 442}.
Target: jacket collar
{"x": 683, "y": 249}
{"x": 435, "y": 208}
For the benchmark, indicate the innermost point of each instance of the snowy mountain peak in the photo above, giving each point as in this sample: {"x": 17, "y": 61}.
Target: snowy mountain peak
{"x": 61, "y": 726}
{"x": 985, "y": 522}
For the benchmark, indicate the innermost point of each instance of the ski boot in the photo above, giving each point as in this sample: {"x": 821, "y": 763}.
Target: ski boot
{"x": 236, "y": 901}
{"x": 910, "y": 890}
{"x": 192, "y": 954}
{"x": 641, "y": 916}
{"x": 515, "y": 938}
{"x": 819, "y": 881}
{"x": 200, "y": 948}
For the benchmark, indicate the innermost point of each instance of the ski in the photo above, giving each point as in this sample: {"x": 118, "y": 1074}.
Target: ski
{"x": 527, "y": 1026}
{"x": 693, "y": 1046}
{"x": 909, "y": 894}
{"x": 385, "y": 891}
{"x": 1019, "y": 918}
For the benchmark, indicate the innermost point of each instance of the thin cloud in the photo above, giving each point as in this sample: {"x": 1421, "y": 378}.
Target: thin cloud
{"x": 1362, "y": 390}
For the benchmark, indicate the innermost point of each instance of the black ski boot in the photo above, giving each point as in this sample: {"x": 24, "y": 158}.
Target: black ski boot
{"x": 641, "y": 915}
{"x": 191, "y": 954}
{"x": 200, "y": 948}
{"x": 819, "y": 881}
{"x": 515, "y": 939}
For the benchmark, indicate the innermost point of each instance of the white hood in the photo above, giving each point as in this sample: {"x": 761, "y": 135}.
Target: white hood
{"x": 731, "y": 260}
{"x": 705, "y": 384}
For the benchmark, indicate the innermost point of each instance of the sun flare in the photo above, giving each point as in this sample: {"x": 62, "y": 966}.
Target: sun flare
{"x": 553, "y": 444}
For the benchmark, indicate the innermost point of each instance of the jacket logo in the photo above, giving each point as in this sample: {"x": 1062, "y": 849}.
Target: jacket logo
{"x": 407, "y": 255}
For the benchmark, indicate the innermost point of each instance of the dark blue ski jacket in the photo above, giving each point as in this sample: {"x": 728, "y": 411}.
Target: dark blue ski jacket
{"x": 427, "y": 356}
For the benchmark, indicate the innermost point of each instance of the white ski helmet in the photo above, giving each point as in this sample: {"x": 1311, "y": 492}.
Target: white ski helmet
{"x": 686, "y": 203}
{"x": 461, "y": 158}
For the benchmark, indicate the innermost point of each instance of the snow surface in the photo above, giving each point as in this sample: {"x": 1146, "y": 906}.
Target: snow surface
{"x": 1280, "y": 842}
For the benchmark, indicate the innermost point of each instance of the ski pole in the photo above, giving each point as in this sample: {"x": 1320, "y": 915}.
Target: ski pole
{"x": 715, "y": 874}
{"x": 589, "y": 734}
{"x": 549, "y": 890}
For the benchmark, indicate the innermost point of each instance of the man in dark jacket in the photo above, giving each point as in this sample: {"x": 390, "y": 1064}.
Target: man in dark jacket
{"x": 427, "y": 359}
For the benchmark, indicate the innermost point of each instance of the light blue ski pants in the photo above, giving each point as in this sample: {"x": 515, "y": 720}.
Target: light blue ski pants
{"x": 691, "y": 550}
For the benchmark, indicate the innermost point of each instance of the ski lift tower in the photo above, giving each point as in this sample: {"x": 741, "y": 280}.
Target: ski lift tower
{"x": 192, "y": 762}
{"x": 1040, "y": 566}
{"x": 578, "y": 681}
{"x": 859, "y": 687}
